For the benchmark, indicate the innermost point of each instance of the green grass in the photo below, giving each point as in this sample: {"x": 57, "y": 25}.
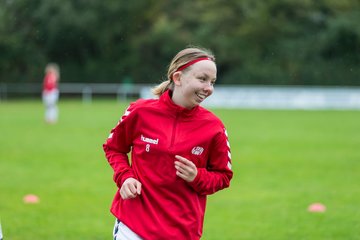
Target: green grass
{"x": 282, "y": 161}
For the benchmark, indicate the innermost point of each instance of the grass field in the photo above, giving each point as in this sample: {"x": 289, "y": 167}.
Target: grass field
{"x": 282, "y": 160}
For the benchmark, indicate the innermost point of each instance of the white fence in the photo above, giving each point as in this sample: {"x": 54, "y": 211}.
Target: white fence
{"x": 287, "y": 97}
{"x": 84, "y": 90}
{"x": 255, "y": 97}
{"x": 268, "y": 97}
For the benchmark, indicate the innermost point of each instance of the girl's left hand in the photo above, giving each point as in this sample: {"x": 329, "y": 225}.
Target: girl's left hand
{"x": 185, "y": 169}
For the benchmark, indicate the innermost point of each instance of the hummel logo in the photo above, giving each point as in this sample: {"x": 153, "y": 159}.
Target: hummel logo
{"x": 197, "y": 150}
{"x": 149, "y": 140}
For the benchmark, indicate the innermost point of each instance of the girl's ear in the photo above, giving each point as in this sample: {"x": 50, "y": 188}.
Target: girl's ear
{"x": 176, "y": 78}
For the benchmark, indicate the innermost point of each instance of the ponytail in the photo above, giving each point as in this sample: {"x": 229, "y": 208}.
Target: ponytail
{"x": 162, "y": 87}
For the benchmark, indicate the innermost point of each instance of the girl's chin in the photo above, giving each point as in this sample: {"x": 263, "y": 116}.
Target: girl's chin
{"x": 197, "y": 102}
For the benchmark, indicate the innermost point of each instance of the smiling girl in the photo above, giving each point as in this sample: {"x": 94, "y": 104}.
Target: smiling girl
{"x": 180, "y": 153}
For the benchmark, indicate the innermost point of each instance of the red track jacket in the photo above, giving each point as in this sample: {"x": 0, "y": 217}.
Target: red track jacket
{"x": 155, "y": 131}
{"x": 50, "y": 82}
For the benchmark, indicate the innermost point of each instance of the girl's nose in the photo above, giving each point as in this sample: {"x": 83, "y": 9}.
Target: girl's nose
{"x": 209, "y": 87}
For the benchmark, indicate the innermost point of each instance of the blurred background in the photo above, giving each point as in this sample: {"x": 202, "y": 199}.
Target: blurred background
{"x": 271, "y": 54}
{"x": 275, "y": 42}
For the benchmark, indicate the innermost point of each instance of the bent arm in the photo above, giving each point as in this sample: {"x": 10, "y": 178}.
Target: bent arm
{"x": 119, "y": 162}
{"x": 218, "y": 173}
{"x": 118, "y": 145}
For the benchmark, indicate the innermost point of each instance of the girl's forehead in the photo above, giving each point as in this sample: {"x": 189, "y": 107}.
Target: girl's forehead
{"x": 206, "y": 65}
{"x": 207, "y": 71}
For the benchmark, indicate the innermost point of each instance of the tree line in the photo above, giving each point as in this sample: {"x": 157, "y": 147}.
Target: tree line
{"x": 278, "y": 42}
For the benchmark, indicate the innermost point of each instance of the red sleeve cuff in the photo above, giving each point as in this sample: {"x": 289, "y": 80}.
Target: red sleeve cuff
{"x": 121, "y": 178}
{"x": 196, "y": 183}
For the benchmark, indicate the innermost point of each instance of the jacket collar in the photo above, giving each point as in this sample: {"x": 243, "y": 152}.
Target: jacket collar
{"x": 165, "y": 98}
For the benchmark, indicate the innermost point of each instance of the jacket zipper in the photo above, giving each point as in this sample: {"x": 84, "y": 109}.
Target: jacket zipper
{"x": 173, "y": 130}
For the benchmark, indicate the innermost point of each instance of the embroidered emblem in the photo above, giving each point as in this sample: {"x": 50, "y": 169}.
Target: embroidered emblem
{"x": 197, "y": 150}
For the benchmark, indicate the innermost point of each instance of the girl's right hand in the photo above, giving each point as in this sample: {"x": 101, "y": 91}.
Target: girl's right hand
{"x": 130, "y": 188}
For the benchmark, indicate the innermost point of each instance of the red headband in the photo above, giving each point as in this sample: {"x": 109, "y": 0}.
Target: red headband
{"x": 192, "y": 62}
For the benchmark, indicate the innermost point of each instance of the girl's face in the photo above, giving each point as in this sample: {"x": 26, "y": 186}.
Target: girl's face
{"x": 195, "y": 84}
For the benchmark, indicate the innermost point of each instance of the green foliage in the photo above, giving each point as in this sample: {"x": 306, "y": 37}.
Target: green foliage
{"x": 256, "y": 42}
{"x": 282, "y": 160}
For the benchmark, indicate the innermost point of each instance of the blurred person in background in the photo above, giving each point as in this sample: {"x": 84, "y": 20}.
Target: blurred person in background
{"x": 179, "y": 154}
{"x": 50, "y": 92}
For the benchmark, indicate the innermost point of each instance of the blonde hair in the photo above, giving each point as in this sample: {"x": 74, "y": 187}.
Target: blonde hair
{"x": 181, "y": 58}
{"x": 53, "y": 67}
